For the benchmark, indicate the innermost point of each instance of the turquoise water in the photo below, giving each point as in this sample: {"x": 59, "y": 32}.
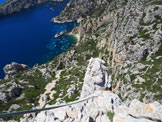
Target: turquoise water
{"x": 2, "y": 1}
{"x": 28, "y": 36}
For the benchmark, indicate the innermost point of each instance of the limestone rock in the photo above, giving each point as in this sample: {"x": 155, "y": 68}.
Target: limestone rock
{"x": 71, "y": 90}
{"x": 14, "y": 68}
{"x": 14, "y": 107}
{"x": 96, "y": 73}
{"x": 13, "y": 91}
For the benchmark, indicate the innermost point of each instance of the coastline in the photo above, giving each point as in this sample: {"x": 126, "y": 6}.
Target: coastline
{"x": 76, "y": 35}
{"x": 32, "y": 65}
{"x": 12, "y": 6}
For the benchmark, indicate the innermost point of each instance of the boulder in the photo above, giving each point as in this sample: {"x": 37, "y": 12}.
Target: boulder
{"x": 14, "y": 107}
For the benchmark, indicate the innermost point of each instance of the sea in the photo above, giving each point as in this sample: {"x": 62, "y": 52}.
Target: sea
{"x": 27, "y": 37}
{"x": 2, "y": 1}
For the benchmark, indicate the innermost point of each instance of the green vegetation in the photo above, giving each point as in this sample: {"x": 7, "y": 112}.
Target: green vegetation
{"x": 67, "y": 78}
{"x": 33, "y": 84}
{"x": 156, "y": 2}
{"x": 156, "y": 8}
{"x": 110, "y": 115}
{"x": 152, "y": 76}
{"x": 143, "y": 34}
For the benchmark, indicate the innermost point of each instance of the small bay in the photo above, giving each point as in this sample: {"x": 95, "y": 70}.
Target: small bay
{"x": 27, "y": 36}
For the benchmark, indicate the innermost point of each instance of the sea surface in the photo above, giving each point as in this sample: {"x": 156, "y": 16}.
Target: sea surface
{"x": 27, "y": 36}
{"x": 2, "y": 1}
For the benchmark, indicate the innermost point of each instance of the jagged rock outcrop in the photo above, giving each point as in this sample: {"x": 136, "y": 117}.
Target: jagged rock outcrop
{"x": 94, "y": 77}
{"x": 104, "y": 103}
{"x": 12, "y": 6}
{"x": 13, "y": 91}
{"x": 14, "y": 68}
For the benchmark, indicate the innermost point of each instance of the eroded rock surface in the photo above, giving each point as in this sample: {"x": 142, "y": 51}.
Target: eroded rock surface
{"x": 14, "y": 68}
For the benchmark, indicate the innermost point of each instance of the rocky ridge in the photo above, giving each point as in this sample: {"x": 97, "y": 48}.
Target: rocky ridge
{"x": 98, "y": 109}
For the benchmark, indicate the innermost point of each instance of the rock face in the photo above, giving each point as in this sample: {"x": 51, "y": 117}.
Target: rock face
{"x": 14, "y": 68}
{"x": 94, "y": 77}
{"x": 97, "y": 109}
{"x": 12, "y": 6}
{"x": 74, "y": 10}
{"x": 13, "y": 91}
{"x": 127, "y": 35}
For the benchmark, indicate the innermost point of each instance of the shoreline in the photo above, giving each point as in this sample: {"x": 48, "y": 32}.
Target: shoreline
{"x": 76, "y": 35}
{"x": 3, "y": 76}
{"x": 9, "y": 7}
{"x": 77, "y": 38}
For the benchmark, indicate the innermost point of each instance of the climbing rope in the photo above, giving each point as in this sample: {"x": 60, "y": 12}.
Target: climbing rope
{"x": 44, "y": 109}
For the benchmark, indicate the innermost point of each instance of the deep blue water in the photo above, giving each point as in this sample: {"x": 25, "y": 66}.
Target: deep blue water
{"x": 2, "y": 1}
{"x": 28, "y": 36}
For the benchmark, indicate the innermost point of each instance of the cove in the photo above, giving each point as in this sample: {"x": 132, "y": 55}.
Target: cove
{"x": 27, "y": 36}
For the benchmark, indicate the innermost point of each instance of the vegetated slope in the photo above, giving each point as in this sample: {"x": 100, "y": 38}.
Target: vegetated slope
{"x": 128, "y": 35}
{"x": 97, "y": 105}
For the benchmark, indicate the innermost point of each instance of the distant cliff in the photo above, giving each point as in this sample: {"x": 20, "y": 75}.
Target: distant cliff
{"x": 17, "y": 5}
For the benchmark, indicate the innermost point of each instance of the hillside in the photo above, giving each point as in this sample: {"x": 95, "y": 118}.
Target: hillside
{"x": 100, "y": 105}
{"x": 126, "y": 34}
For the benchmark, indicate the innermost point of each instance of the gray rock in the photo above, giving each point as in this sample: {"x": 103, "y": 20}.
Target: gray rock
{"x": 104, "y": 118}
{"x": 14, "y": 107}
{"x": 71, "y": 90}
{"x": 13, "y": 91}
{"x": 14, "y": 68}
{"x": 45, "y": 117}
{"x": 94, "y": 77}
{"x": 3, "y": 98}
